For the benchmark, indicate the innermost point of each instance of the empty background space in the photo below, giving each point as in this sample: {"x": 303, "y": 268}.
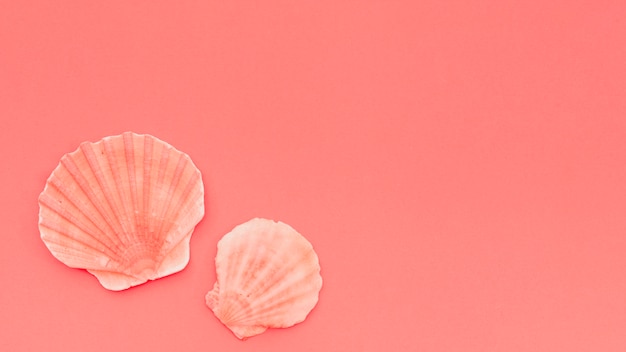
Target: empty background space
{"x": 459, "y": 166}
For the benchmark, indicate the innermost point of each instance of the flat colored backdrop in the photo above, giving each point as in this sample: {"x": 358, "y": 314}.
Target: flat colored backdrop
{"x": 459, "y": 166}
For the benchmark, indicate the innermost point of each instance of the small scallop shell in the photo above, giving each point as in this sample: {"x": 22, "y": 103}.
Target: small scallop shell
{"x": 268, "y": 276}
{"x": 123, "y": 209}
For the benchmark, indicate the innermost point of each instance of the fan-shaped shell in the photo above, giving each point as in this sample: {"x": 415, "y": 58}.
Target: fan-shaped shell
{"x": 268, "y": 276}
{"x": 122, "y": 208}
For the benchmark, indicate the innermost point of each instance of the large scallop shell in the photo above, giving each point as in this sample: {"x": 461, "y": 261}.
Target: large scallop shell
{"x": 123, "y": 209}
{"x": 268, "y": 276}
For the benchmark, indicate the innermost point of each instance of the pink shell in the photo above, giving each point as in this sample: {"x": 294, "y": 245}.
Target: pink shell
{"x": 122, "y": 208}
{"x": 268, "y": 276}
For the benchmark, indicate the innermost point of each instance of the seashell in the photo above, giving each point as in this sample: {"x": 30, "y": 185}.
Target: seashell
{"x": 268, "y": 276}
{"x": 123, "y": 208}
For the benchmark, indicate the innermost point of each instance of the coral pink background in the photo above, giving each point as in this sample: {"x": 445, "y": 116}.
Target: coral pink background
{"x": 459, "y": 166}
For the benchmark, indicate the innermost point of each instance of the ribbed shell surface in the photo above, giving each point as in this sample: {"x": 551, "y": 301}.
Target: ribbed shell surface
{"x": 123, "y": 208}
{"x": 268, "y": 276}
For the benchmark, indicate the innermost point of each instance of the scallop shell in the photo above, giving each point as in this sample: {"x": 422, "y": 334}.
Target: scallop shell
{"x": 268, "y": 276}
{"x": 123, "y": 208}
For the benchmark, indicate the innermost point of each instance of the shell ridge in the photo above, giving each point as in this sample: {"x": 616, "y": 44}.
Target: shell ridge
{"x": 253, "y": 259}
{"x": 225, "y": 283}
{"x": 283, "y": 309}
{"x": 260, "y": 285}
{"x": 258, "y": 259}
{"x": 182, "y": 204}
{"x": 94, "y": 199}
{"x": 78, "y": 259}
{"x": 117, "y": 195}
{"x": 52, "y": 204}
{"x": 231, "y": 304}
{"x": 276, "y": 290}
{"x": 221, "y": 277}
{"x": 170, "y": 194}
{"x": 244, "y": 257}
{"x": 284, "y": 268}
{"x": 72, "y": 171}
{"x": 162, "y": 204}
{"x": 234, "y": 242}
{"x": 147, "y": 181}
{"x": 69, "y": 218}
{"x": 285, "y": 304}
{"x": 63, "y": 249}
{"x": 129, "y": 149}
{"x": 251, "y": 284}
{"x": 98, "y": 170}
